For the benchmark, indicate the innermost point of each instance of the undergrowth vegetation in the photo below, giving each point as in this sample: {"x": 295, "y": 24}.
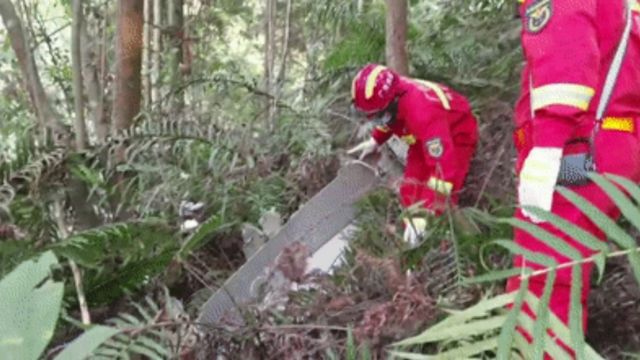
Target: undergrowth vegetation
{"x": 81, "y": 229}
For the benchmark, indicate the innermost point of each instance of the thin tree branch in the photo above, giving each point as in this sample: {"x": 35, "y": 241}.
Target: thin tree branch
{"x": 77, "y": 276}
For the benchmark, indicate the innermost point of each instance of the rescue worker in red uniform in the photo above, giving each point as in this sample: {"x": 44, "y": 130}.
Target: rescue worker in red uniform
{"x": 434, "y": 121}
{"x": 571, "y": 86}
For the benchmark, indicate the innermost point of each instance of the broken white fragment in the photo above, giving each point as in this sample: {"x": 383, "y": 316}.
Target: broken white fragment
{"x": 330, "y": 255}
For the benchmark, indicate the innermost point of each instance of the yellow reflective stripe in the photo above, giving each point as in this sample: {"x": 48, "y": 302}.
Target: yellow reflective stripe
{"x": 383, "y": 128}
{"x": 371, "y": 81}
{"x": 575, "y": 95}
{"x": 441, "y": 186}
{"x": 353, "y": 87}
{"x": 619, "y": 124}
{"x": 438, "y": 90}
{"x": 409, "y": 139}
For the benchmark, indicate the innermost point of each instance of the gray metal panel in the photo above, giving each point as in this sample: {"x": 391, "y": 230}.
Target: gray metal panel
{"x": 319, "y": 220}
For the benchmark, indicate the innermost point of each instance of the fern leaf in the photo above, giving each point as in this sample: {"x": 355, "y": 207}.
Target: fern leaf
{"x": 560, "y": 330}
{"x": 608, "y": 226}
{"x": 548, "y": 238}
{"x": 107, "y": 353}
{"x": 153, "y": 345}
{"x": 628, "y": 185}
{"x": 506, "y": 338}
{"x": 137, "y": 336}
{"x": 84, "y": 345}
{"x": 492, "y": 276}
{"x": 523, "y": 347}
{"x": 463, "y": 352}
{"x": 407, "y": 355}
{"x": 575, "y": 312}
{"x": 141, "y": 350}
{"x": 628, "y": 209}
{"x": 473, "y": 328}
{"x": 542, "y": 317}
{"x": 152, "y": 304}
{"x": 145, "y": 314}
{"x": 481, "y": 309}
{"x": 130, "y": 320}
{"x": 550, "y": 346}
{"x": 537, "y": 258}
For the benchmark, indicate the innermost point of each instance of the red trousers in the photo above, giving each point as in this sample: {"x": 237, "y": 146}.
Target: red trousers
{"x": 617, "y": 152}
{"x": 417, "y": 173}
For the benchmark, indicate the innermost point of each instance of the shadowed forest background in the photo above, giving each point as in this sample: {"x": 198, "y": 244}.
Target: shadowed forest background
{"x": 141, "y": 141}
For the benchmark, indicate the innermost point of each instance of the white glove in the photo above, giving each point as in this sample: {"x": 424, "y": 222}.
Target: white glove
{"x": 538, "y": 179}
{"x": 414, "y": 228}
{"x": 365, "y": 148}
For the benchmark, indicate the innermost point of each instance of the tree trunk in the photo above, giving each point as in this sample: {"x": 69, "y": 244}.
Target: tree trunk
{"x": 270, "y": 52}
{"x": 92, "y": 54}
{"x": 176, "y": 22}
{"x": 47, "y": 117}
{"x": 76, "y": 60}
{"x": 155, "y": 56}
{"x": 285, "y": 45}
{"x": 396, "y": 29}
{"x": 106, "y": 93}
{"x": 146, "y": 53}
{"x": 128, "y": 85}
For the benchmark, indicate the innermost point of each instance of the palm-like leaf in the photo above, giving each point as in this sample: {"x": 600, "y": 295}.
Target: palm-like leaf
{"x": 470, "y": 324}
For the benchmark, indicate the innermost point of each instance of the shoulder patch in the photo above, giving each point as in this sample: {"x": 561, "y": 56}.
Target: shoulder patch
{"x": 537, "y": 15}
{"x": 434, "y": 147}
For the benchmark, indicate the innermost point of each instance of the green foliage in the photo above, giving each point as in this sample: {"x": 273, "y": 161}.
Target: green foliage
{"x": 214, "y": 224}
{"x": 85, "y": 344}
{"x": 365, "y": 44}
{"x": 121, "y": 243}
{"x": 352, "y": 350}
{"x": 490, "y": 327}
{"x": 31, "y": 303}
{"x": 144, "y": 332}
{"x": 119, "y": 258}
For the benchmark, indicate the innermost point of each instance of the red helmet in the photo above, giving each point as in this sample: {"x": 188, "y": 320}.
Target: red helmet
{"x": 374, "y": 88}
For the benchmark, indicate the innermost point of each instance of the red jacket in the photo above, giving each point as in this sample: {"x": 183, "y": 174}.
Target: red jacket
{"x": 569, "y": 46}
{"x": 431, "y": 118}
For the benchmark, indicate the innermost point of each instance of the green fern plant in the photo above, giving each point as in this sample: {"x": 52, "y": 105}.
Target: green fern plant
{"x": 488, "y": 328}
{"x": 153, "y": 331}
{"x": 119, "y": 258}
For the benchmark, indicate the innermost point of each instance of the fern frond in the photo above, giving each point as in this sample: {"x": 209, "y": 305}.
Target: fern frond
{"x": 35, "y": 171}
{"x": 120, "y": 257}
{"x": 129, "y": 241}
{"x": 136, "y": 336}
{"x": 143, "y": 332}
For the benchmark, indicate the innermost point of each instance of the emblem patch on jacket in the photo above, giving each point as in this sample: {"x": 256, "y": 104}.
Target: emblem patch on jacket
{"x": 537, "y": 15}
{"x": 434, "y": 147}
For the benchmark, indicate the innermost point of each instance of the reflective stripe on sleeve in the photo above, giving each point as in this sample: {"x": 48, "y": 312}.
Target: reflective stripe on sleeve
{"x": 574, "y": 95}
{"x": 441, "y": 186}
